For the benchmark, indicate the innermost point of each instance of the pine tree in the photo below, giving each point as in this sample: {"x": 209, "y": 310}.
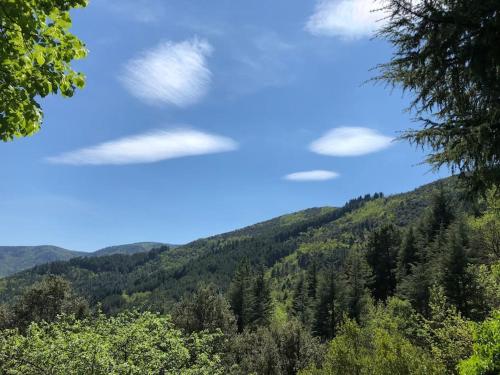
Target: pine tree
{"x": 438, "y": 217}
{"x": 456, "y": 279}
{"x": 312, "y": 279}
{"x": 326, "y": 314}
{"x": 241, "y": 295}
{"x": 382, "y": 258}
{"x": 408, "y": 253}
{"x": 301, "y": 302}
{"x": 356, "y": 276}
{"x": 263, "y": 307}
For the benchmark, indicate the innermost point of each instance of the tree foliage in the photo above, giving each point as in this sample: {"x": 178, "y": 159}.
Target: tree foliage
{"x": 126, "y": 344}
{"x": 446, "y": 55}
{"x": 36, "y": 51}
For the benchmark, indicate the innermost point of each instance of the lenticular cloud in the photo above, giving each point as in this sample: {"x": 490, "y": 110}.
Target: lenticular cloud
{"x": 148, "y": 148}
{"x": 350, "y": 141}
{"x": 315, "y": 175}
{"x": 348, "y": 19}
{"x": 171, "y": 73}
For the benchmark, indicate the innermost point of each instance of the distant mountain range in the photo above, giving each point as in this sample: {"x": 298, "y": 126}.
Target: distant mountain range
{"x": 17, "y": 258}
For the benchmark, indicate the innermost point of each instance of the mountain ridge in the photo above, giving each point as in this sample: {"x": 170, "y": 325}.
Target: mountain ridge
{"x": 17, "y": 258}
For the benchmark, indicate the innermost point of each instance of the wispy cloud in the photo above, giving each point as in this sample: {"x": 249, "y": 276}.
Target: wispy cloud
{"x": 315, "y": 175}
{"x": 259, "y": 59}
{"x": 350, "y": 141}
{"x": 171, "y": 73}
{"x": 348, "y": 19}
{"x": 148, "y": 148}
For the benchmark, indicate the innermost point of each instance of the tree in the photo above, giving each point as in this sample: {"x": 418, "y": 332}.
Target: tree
{"x": 356, "y": 277}
{"x": 326, "y": 309}
{"x": 373, "y": 350}
{"x": 382, "y": 257}
{"x": 129, "y": 343}
{"x": 448, "y": 334}
{"x": 446, "y": 55}
{"x": 241, "y": 295}
{"x": 46, "y": 301}
{"x": 36, "y": 51}
{"x": 485, "y": 359}
{"x": 301, "y": 304}
{"x": 407, "y": 255}
{"x": 278, "y": 349}
{"x": 312, "y": 279}
{"x": 205, "y": 310}
{"x": 263, "y": 307}
{"x": 456, "y": 279}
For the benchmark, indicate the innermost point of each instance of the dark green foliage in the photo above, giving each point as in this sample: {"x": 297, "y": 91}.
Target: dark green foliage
{"x": 250, "y": 296}
{"x": 44, "y": 301}
{"x": 327, "y": 314}
{"x": 355, "y": 280}
{"x": 242, "y": 296}
{"x": 204, "y": 310}
{"x": 446, "y": 55}
{"x": 407, "y": 255}
{"x": 263, "y": 307}
{"x": 275, "y": 350}
{"x": 381, "y": 255}
{"x": 456, "y": 280}
{"x": 301, "y": 305}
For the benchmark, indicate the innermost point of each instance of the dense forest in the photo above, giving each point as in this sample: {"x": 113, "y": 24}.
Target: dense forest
{"x": 405, "y": 284}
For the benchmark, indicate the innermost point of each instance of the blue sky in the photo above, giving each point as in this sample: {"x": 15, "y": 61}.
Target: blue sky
{"x": 201, "y": 117}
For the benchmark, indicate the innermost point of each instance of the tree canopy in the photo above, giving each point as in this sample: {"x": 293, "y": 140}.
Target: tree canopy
{"x": 36, "y": 51}
{"x": 446, "y": 54}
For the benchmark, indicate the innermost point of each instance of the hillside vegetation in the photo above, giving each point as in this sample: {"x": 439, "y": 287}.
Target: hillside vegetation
{"x": 284, "y": 245}
{"x": 18, "y": 258}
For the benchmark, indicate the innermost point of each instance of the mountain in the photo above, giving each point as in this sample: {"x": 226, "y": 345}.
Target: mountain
{"x": 285, "y": 245}
{"x": 129, "y": 249}
{"x": 17, "y": 258}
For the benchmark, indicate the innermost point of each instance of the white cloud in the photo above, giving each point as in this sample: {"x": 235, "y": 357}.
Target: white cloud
{"x": 316, "y": 175}
{"x": 148, "y": 148}
{"x": 171, "y": 73}
{"x": 348, "y": 19}
{"x": 350, "y": 141}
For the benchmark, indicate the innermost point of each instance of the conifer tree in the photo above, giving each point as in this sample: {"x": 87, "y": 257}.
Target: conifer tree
{"x": 326, "y": 311}
{"x": 301, "y": 302}
{"x": 241, "y": 295}
{"x": 312, "y": 279}
{"x": 356, "y": 276}
{"x": 263, "y": 307}
{"x": 456, "y": 279}
{"x": 407, "y": 255}
{"x": 382, "y": 256}
{"x": 438, "y": 217}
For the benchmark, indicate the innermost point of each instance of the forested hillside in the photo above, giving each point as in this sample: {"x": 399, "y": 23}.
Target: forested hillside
{"x": 18, "y": 258}
{"x": 160, "y": 278}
